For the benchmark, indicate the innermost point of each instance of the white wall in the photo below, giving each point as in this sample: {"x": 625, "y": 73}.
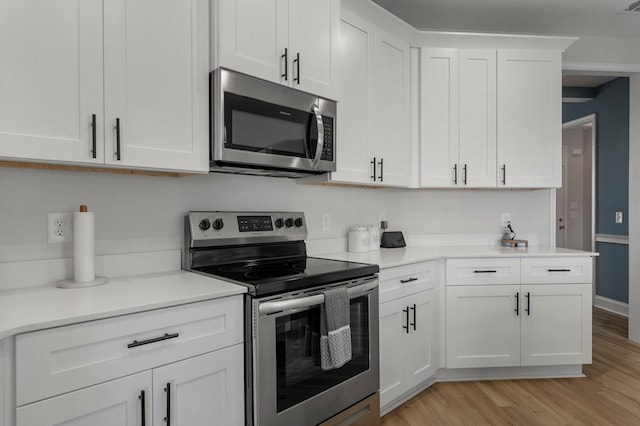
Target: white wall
{"x": 144, "y": 213}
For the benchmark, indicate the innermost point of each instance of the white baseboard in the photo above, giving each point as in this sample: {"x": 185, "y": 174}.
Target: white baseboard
{"x": 611, "y": 305}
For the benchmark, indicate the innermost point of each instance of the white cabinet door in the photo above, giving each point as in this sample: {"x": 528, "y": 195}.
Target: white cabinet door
{"x": 420, "y": 342}
{"x": 354, "y": 107}
{"x": 118, "y": 402}
{"x": 477, "y": 119}
{"x": 482, "y": 326}
{"x": 207, "y": 389}
{"x": 529, "y": 119}
{"x": 50, "y": 80}
{"x": 251, "y": 37}
{"x": 389, "y": 137}
{"x": 156, "y": 84}
{"x": 392, "y": 323}
{"x": 313, "y": 35}
{"x": 439, "y": 117}
{"x": 556, "y": 324}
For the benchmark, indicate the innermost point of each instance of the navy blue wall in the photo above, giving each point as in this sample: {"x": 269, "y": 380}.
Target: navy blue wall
{"x": 611, "y": 106}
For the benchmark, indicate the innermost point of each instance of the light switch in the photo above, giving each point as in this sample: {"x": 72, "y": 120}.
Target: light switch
{"x": 618, "y": 217}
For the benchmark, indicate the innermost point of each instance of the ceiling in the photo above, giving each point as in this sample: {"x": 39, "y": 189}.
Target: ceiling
{"x": 552, "y": 17}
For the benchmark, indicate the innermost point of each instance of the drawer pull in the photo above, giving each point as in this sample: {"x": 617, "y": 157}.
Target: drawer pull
{"x": 408, "y": 280}
{"x": 154, "y": 340}
{"x": 485, "y": 271}
{"x": 414, "y": 316}
{"x": 168, "y": 408}
{"x": 406, "y": 327}
{"x": 558, "y": 270}
{"x": 517, "y": 309}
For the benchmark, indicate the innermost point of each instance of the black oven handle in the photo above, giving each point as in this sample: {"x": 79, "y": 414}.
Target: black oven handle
{"x": 266, "y": 308}
{"x": 320, "y": 145}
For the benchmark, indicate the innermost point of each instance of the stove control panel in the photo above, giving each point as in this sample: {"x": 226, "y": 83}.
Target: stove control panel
{"x": 224, "y": 228}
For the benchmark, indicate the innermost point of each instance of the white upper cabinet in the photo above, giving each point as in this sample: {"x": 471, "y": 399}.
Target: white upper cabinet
{"x": 529, "y": 119}
{"x": 458, "y": 118}
{"x": 373, "y": 140}
{"x": 50, "y": 79}
{"x": 59, "y": 105}
{"x": 291, "y": 42}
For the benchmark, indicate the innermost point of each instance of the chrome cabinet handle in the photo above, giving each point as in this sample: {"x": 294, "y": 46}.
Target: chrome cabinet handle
{"x": 320, "y": 145}
{"x": 141, "y": 397}
{"x": 166, "y": 336}
{"x": 285, "y": 56}
{"x": 117, "y": 138}
{"x": 93, "y": 135}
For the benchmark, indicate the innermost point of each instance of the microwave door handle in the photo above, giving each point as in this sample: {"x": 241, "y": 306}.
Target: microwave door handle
{"x": 320, "y": 145}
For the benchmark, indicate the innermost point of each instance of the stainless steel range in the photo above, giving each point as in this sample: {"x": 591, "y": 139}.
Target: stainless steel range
{"x": 266, "y": 252}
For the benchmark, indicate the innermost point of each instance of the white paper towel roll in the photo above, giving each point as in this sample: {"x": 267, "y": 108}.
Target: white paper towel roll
{"x": 83, "y": 247}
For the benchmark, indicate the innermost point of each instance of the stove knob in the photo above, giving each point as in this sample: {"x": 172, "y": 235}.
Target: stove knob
{"x": 279, "y": 222}
{"x": 218, "y": 224}
{"x": 299, "y": 222}
{"x": 205, "y": 224}
{"x": 289, "y": 222}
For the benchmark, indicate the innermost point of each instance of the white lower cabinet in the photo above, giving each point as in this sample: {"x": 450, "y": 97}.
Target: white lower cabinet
{"x": 408, "y": 334}
{"x": 505, "y": 325}
{"x": 181, "y": 365}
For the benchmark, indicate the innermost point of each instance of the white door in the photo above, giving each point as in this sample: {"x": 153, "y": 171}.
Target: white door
{"x": 118, "y": 402}
{"x": 477, "y": 119}
{"x": 252, "y": 36}
{"x": 51, "y": 80}
{"x": 156, "y": 84}
{"x": 389, "y": 133}
{"x": 556, "y": 324}
{"x": 393, "y": 323}
{"x": 483, "y": 326}
{"x": 207, "y": 389}
{"x": 439, "y": 118}
{"x": 352, "y": 161}
{"x": 419, "y": 343}
{"x": 529, "y": 124}
{"x": 314, "y": 35}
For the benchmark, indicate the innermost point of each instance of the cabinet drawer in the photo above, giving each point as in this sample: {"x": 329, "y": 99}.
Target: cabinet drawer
{"x": 483, "y": 271}
{"x": 58, "y": 360}
{"x": 408, "y": 279}
{"x": 558, "y": 270}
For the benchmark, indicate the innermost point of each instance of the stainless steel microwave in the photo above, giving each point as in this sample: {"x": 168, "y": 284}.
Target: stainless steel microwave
{"x": 258, "y": 127}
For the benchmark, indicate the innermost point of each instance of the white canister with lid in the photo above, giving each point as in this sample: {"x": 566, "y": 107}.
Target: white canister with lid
{"x": 359, "y": 239}
{"x": 374, "y": 238}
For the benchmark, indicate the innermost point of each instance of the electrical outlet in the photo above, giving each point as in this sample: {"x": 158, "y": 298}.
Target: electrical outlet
{"x": 381, "y": 217}
{"x": 618, "y": 217}
{"x": 59, "y": 228}
{"x": 326, "y": 222}
{"x": 506, "y": 218}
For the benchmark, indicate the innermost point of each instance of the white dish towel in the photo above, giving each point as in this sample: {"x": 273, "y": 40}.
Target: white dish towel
{"x": 335, "y": 329}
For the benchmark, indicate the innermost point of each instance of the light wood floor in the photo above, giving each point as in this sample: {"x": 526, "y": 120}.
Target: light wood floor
{"x": 609, "y": 395}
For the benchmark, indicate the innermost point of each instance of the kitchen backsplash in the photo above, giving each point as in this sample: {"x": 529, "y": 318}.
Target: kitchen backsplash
{"x": 136, "y": 214}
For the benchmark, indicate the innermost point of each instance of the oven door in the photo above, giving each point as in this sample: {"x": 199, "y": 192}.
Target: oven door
{"x": 290, "y": 387}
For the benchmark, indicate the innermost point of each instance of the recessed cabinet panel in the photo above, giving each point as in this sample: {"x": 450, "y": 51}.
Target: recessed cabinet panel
{"x": 481, "y": 271}
{"x": 557, "y": 270}
{"x": 353, "y": 108}
{"x": 439, "y": 117}
{"x": 529, "y": 119}
{"x": 50, "y": 79}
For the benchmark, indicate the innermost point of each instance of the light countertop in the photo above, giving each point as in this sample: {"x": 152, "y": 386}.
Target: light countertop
{"x": 388, "y": 258}
{"x": 48, "y": 306}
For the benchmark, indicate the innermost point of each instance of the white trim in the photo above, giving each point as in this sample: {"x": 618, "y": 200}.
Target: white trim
{"x": 604, "y": 68}
{"x": 611, "y": 305}
{"x": 612, "y": 239}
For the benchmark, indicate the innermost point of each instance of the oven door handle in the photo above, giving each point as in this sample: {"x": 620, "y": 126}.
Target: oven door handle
{"x": 320, "y": 145}
{"x": 266, "y": 308}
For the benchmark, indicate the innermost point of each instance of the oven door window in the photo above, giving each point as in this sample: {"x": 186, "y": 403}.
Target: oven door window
{"x": 299, "y": 375}
{"x": 257, "y": 126}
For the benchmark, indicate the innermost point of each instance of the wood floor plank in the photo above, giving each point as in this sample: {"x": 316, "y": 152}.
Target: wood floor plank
{"x": 608, "y": 395}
